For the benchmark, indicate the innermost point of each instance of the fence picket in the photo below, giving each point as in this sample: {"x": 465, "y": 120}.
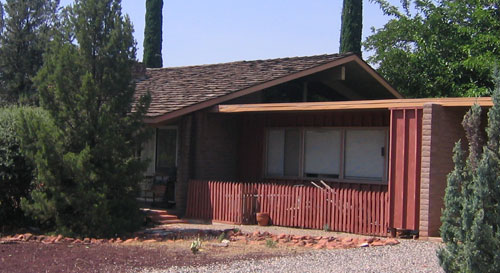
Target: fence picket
{"x": 347, "y": 207}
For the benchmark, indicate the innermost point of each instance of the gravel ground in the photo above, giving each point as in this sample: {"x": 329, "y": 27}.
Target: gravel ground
{"x": 409, "y": 256}
{"x": 271, "y": 229}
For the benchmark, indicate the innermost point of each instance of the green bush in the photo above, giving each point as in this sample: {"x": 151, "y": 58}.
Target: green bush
{"x": 16, "y": 172}
{"x": 470, "y": 221}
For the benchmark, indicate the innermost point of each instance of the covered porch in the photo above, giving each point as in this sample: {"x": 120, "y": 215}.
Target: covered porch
{"x": 245, "y": 162}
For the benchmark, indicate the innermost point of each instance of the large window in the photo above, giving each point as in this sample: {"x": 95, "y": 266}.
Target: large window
{"x": 327, "y": 153}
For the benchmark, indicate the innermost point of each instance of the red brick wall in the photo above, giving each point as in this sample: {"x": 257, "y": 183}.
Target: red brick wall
{"x": 215, "y": 154}
{"x": 441, "y": 129}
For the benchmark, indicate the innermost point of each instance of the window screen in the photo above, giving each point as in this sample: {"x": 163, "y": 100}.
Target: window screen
{"x": 322, "y": 153}
{"x": 365, "y": 154}
{"x": 166, "y": 149}
{"x": 148, "y": 153}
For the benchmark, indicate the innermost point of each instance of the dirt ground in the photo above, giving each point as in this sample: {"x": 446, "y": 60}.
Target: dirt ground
{"x": 110, "y": 257}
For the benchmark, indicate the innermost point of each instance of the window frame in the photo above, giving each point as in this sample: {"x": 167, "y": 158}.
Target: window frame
{"x": 342, "y": 161}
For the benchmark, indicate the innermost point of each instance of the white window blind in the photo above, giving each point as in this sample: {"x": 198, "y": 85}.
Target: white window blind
{"x": 275, "y": 152}
{"x": 364, "y": 154}
{"x": 322, "y": 153}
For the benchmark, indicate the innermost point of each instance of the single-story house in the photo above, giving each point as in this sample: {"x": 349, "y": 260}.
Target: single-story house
{"x": 317, "y": 142}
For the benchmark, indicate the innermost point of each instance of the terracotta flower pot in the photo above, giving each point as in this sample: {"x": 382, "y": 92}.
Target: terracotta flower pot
{"x": 262, "y": 218}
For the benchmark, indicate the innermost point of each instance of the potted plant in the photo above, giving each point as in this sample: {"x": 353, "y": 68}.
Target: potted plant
{"x": 262, "y": 218}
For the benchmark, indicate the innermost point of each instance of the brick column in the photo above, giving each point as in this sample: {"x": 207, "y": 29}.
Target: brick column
{"x": 441, "y": 129}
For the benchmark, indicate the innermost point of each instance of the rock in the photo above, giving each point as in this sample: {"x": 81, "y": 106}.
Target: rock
{"x": 346, "y": 239}
{"x": 256, "y": 233}
{"x": 229, "y": 233}
{"x": 310, "y": 241}
{"x": 364, "y": 245}
{"x": 283, "y": 241}
{"x": 391, "y": 242}
{"x": 319, "y": 246}
{"x": 68, "y": 240}
{"x": 309, "y": 245}
{"x": 332, "y": 245}
{"x": 128, "y": 241}
{"x": 96, "y": 241}
{"x": 323, "y": 241}
{"x": 86, "y": 240}
{"x": 59, "y": 238}
{"x": 49, "y": 240}
{"x": 149, "y": 241}
{"x": 298, "y": 237}
{"x": 317, "y": 238}
{"x": 300, "y": 243}
{"x": 224, "y": 243}
{"x": 377, "y": 243}
{"x": 266, "y": 234}
{"x": 371, "y": 240}
{"x": 239, "y": 238}
{"x": 282, "y": 236}
{"x": 27, "y": 236}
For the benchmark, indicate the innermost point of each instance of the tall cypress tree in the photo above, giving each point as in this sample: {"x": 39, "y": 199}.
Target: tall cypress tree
{"x": 27, "y": 29}
{"x": 153, "y": 34}
{"x": 88, "y": 170}
{"x": 351, "y": 28}
{"x": 471, "y": 222}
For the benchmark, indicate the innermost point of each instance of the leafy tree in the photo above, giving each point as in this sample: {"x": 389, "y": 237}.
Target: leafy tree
{"x": 87, "y": 166}
{"x": 352, "y": 25}
{"x": 153, "y": 34}
{"x": 471, "y": 226}
{"x": 26, "y": 32}
{"x": 438, "y": 48}
{"x": 16, "y": 171}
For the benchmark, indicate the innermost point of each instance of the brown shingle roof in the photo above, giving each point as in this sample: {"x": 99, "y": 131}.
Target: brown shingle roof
{"x": 179, "y": 87}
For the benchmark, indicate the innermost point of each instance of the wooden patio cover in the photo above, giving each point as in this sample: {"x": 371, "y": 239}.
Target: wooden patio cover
{"x": 351, "y": 105}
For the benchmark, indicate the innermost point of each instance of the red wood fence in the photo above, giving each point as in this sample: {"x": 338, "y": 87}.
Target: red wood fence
{"x": 346, "y": 207}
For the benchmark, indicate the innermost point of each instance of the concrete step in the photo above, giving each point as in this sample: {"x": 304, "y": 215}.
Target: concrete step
{"x": 177, "y": 221}
{"x": 161, "y": 217}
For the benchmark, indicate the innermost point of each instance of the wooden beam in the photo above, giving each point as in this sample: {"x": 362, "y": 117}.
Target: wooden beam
{"x": 343, "y": 90}
{"x": 352, "y": 105}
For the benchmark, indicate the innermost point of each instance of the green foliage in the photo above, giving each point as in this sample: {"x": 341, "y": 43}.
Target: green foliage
{"x": 195, "y": 245}
{"x": 352, "y": 26}
{"x": 270, "y": 243}
{"x": 86, "y": 159}
{"x": 471, "y": 226}
{"x": 326, "y": 227}
{"x": 16, "y": 172}
{"x": 438, "y": 48}
{"x": 153, "y": 34}
{"x": 24, "y": 35}
{"x": 221, "y": 237}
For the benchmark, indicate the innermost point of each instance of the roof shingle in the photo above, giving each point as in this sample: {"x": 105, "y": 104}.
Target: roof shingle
{"x": 179, "y": 87}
